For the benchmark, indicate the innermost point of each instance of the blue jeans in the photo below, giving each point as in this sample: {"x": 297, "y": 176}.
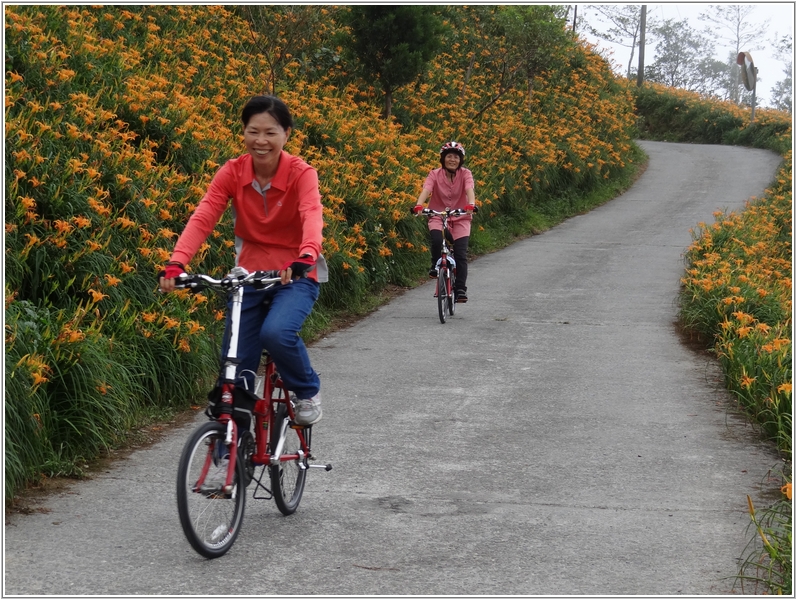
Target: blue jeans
{"x": 276, "y": 328}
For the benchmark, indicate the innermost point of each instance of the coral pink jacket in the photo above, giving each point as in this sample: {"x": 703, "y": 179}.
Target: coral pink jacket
{"x": 273, "y": 226}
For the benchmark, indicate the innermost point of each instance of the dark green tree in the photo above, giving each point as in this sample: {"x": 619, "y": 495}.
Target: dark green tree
{"x": 533, "y": 36}
{"x": 393, "y": 43}
{"x": 280, "y": 33}
{"x": 522, "y": 42}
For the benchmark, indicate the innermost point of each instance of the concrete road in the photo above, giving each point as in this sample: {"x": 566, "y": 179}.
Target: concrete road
{"x": 555, "y": 437}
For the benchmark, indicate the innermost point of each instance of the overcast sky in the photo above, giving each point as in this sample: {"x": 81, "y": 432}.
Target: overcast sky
{"x": 770, "y": 68}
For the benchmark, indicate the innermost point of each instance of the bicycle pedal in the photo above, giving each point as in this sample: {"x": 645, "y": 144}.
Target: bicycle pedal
{"x": 326, "y": 467}
{"x": 210, "y": 489}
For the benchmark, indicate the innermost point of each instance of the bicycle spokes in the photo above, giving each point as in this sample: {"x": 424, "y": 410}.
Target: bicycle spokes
{"x": 210, "y": 509}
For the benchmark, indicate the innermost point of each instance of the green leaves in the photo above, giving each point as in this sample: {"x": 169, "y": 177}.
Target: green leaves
{"x": 394, "y": 43}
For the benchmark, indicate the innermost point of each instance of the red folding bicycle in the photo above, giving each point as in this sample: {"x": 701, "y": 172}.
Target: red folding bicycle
{"x": 219, "y": 461}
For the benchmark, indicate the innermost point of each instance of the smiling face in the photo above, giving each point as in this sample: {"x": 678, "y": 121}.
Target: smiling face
{"x": 264, "y": 138}
{"x": 452, "y": 161}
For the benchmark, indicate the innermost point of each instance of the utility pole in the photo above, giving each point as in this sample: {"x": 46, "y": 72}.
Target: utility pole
{"x": 641, "y": 70}
{"x": 575, "y": 14}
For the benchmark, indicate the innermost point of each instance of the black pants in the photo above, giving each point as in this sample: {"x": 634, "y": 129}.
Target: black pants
{"x": 460, "y": 256}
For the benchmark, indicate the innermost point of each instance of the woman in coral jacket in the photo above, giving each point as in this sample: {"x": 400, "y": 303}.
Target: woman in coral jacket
{"x": 277, "y": 215}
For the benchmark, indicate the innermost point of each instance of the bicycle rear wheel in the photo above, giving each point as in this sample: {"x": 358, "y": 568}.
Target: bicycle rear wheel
{"x": 442, "y": 292}
{"x": 210, "y": 517}
{"x": 287, "y": 478}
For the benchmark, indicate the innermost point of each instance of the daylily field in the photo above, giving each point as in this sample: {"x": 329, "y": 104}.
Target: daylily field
{"x": 116, "y": 119}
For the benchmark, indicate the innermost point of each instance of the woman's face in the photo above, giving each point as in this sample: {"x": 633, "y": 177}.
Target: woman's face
{"x": 264, "y": 138}
{"x": 451, "y": 161}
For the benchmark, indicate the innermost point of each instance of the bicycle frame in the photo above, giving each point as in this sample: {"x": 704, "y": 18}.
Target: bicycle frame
{"x": 265, "y": 416}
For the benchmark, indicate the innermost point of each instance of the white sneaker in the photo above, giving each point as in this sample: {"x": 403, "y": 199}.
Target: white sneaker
{"x": 307, "y": 412}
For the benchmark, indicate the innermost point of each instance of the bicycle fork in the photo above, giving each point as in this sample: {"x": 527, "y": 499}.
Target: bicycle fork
{"x": 227, "y": 391}
{"x": 217, "y": 453}
{"x": 449, "y": 265}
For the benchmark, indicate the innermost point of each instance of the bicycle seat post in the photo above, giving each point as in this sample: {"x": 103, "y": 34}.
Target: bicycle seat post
{"x": 260, "y": 379}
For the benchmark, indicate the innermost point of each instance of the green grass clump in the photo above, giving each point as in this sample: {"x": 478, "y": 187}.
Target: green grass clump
{"x": 767, "y": 559}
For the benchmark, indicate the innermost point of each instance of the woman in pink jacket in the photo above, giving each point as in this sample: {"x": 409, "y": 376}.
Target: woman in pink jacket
{"x": 450, "y": 186}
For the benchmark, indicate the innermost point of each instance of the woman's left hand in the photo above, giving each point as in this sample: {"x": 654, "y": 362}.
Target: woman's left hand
{"x": 297, "y": 269}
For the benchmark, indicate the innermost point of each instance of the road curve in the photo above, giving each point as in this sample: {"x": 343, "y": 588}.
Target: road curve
{"x": 553, "y": 438}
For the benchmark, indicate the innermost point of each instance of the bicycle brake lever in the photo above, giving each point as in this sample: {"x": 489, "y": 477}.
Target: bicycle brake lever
{"x": 258, "y": 284}
{"x": 197, "y": 286}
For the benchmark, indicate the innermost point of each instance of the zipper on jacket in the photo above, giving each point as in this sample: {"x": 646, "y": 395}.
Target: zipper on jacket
{"x": 262, "y": 192}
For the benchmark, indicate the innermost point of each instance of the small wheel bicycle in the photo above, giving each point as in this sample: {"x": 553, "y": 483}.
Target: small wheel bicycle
{"x": 219, "y": 461}
{"x": 446, "y": 266}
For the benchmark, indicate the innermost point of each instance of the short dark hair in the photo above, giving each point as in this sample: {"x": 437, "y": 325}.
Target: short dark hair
{"x": 271, "y": 105}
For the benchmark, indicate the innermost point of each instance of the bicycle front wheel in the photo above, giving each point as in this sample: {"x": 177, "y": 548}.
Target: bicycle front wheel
{"x": 210, "y": 515}
{"x": 287, "y": 478}
{"x": 442, "y": 293}
{"x": 450, "y": 300}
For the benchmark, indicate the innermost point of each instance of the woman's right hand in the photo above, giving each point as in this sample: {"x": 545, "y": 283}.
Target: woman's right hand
{"x": 167, "y": 276}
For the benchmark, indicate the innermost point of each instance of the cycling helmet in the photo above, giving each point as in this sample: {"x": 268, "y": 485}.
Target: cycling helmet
{"x": 455, "y": 146}
{"x": 449, "y": 147}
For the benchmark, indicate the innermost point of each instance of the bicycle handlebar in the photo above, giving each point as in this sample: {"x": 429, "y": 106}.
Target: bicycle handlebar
{"x": 236, "y": 278}
{"x": 449, "y": 212}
